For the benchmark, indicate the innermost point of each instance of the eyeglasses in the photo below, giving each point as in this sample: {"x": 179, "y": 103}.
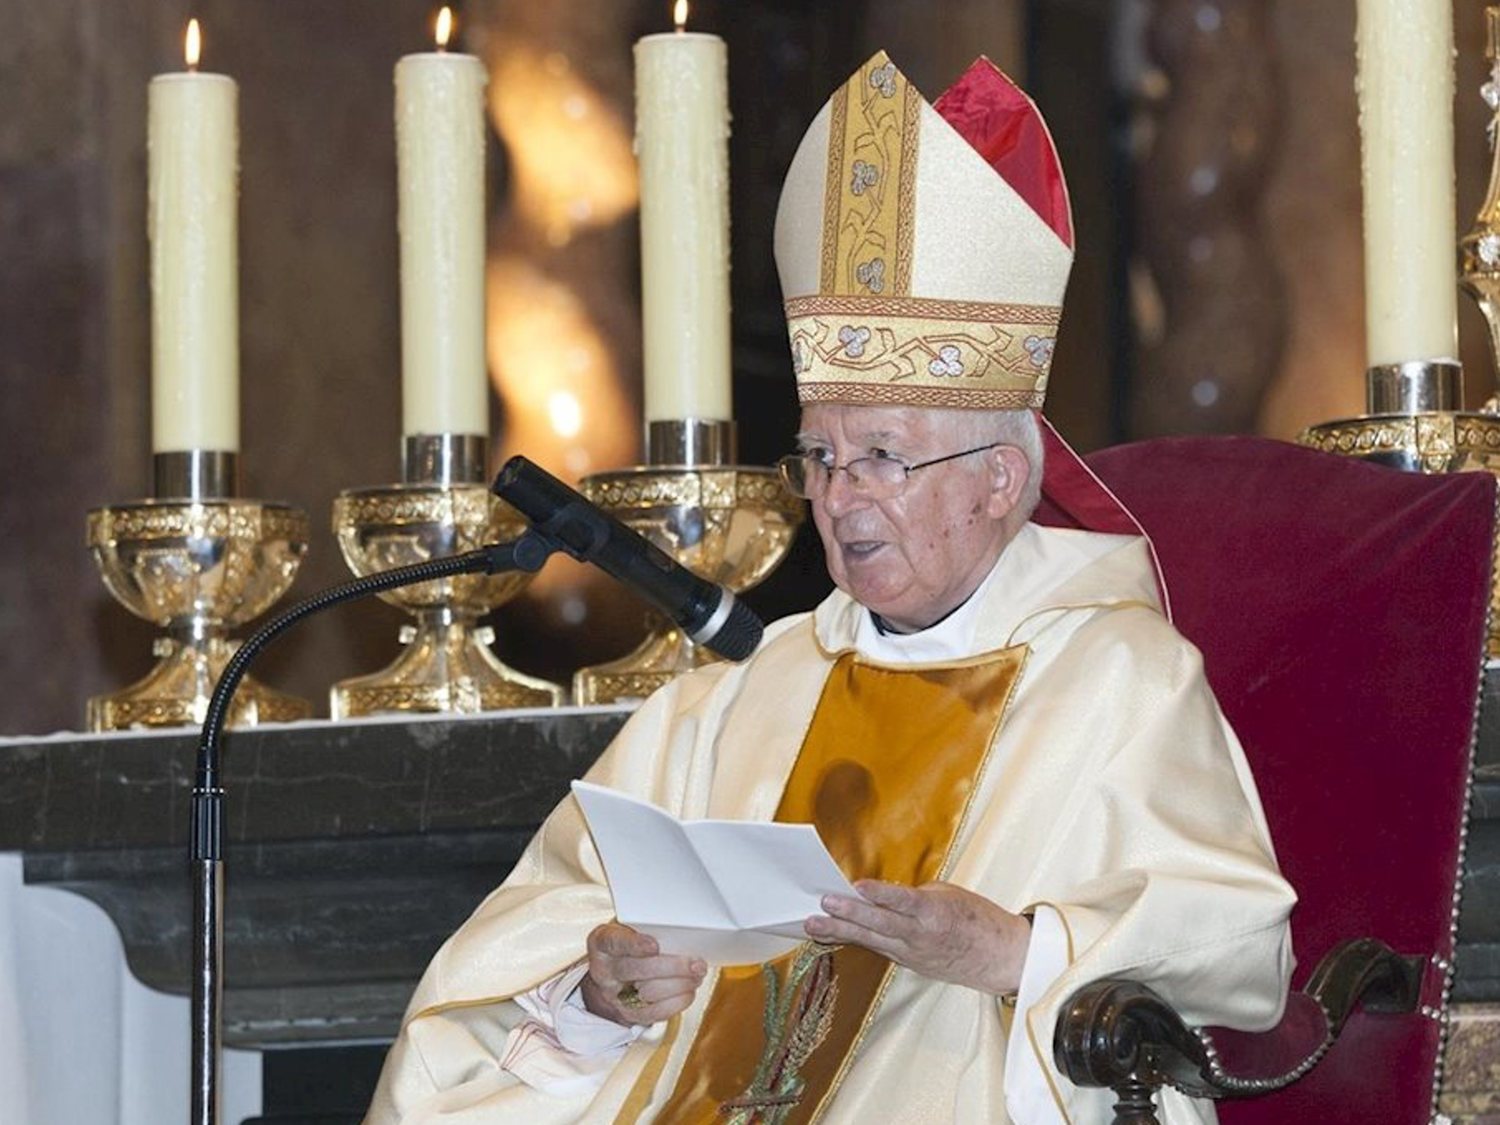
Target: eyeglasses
{"x": 879, "y": 477}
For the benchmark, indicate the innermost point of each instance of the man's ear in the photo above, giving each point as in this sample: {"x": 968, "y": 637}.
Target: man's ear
{"x": 1009, "y": 471}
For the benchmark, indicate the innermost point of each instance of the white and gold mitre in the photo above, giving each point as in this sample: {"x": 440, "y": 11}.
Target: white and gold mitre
{"x": 924, "y": 249}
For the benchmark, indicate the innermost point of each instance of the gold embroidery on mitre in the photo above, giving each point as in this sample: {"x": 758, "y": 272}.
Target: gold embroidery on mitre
{"x": 833, "y": 188}
{"x": 921, "y": 352}
{"x": 906, "y": 204}
{"x": 869, "y": 199}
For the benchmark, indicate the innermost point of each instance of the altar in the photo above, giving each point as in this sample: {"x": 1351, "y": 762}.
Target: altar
{"x": 354, "y": 848}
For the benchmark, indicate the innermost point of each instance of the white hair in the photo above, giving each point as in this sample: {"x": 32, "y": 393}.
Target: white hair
{"x": 1008, "y": 427}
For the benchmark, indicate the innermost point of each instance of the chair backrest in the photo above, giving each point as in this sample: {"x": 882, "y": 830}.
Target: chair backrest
{"x": 1341, "y": 610}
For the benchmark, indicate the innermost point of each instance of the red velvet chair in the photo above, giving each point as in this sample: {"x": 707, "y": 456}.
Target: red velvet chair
{"x": 1341, "y": 610}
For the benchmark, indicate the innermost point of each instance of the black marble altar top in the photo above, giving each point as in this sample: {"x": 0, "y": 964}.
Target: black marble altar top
{"x": 352, "y": 848}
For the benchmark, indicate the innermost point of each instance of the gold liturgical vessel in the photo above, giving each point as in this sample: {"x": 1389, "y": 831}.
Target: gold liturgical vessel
{"x": 197, "y": 562}
{"x": 442, "y": 507}
{"x": 731, "y": 524}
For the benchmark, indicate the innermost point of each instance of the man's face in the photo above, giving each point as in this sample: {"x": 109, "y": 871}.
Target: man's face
{"x": 916, "y": 556}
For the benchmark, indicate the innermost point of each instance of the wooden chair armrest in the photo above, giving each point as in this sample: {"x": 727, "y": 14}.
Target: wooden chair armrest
{"x": 1121, "y": 1034}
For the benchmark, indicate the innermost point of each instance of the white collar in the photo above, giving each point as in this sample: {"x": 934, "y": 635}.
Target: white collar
{"x": 1040, "y": 567}
{"x": 950, "y": 639}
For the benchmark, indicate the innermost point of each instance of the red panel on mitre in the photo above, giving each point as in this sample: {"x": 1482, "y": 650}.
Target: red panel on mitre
{"x": 1004, "y": 126}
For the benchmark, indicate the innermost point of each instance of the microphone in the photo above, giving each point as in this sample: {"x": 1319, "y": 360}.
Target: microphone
{"x": 705, "y": 611}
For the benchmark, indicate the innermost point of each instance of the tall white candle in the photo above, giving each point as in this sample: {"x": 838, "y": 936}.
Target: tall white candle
{"x": 440, "y": 172}
{"x": 682, "y": 140}
{"x": 1405, "y": 52}
{"x": 193, "y": 174}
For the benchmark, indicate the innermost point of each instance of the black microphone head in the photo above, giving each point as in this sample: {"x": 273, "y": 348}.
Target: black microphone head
{"x": 530, "y": 489}
{"x": 740, "y": 634}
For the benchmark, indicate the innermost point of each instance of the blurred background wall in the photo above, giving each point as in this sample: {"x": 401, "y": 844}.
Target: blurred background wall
{"x": 1211, "y": 147}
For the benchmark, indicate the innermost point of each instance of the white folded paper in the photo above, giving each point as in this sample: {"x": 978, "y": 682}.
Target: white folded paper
{"x": 733, "y": 892}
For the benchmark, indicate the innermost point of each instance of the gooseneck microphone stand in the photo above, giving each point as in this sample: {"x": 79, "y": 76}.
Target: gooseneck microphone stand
{"x": 527, "y": 553}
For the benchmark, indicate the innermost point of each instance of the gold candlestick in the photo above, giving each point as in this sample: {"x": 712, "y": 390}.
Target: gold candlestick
{"x": 197, "y": 562}
{"x": 731, "y": 524}
{"x": 442, "y": 507}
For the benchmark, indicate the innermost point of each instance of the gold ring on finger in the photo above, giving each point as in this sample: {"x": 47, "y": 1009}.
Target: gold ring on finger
{"x": 630, "y": 996}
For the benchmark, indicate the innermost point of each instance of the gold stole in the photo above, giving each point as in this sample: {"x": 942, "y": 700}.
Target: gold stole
{"x": 890, "y": 762}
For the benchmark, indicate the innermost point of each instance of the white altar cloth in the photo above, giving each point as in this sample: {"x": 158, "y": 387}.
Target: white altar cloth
{"x": 81, "y": 1040}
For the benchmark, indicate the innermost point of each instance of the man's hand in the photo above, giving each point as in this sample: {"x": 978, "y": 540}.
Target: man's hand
{"x": 938, "y": 930}
{"x": 631, "y": 982}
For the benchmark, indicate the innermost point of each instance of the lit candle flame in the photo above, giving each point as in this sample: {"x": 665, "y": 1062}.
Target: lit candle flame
{"x": 192, "y": 44}
{"x": 679, "y": 14}
{"x": 444, "y": 27}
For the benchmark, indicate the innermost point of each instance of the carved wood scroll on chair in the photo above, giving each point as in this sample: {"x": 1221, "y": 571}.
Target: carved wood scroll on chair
{"x": 1341, "y": 611}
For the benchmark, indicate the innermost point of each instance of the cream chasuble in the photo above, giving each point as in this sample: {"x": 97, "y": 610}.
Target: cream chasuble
{"x": 1112, "y": 791}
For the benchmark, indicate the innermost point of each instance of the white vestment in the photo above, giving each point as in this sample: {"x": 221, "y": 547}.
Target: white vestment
{"x": 1114, "y": 793}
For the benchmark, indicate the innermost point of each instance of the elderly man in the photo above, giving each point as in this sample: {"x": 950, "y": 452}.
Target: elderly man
{"x": 995, "y": 729}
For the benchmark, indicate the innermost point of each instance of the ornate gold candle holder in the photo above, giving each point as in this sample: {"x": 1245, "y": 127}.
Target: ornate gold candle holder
{"x": 1415, "y": 423}
{"x": 196, "y": 562}
{"x": 731, "y": 524}
{"x": 442, "y": 507}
